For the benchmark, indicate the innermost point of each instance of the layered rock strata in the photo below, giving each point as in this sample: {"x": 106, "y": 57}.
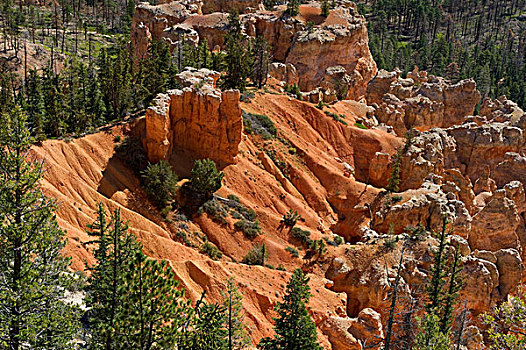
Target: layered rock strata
{"x": 200, "y": 120}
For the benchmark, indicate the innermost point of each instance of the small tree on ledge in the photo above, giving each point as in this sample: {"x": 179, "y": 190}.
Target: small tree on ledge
{"x": 205, "y": 178}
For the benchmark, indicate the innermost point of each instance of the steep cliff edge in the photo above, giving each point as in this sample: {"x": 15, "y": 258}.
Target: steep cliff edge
{"x": 199, "y": 121}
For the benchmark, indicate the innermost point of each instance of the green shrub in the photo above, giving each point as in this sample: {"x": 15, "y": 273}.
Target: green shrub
{"x": 184, "y": 238}
{"x": 215, "y": 209}
{"x": 281, "y": 267}
{"x": 338, "y": 240}
{"x": 249, "y": 228}
{"x": 318, "y": 246}
{"x": 211, "y": 250}
{"x": 294, "y": 90}
{"x": 130, "y": 150}
{"x": 336, "y": 117}
{"x": 160, "y": 183}
{"x": 290, "y": 218}
{"x": 360, "y": 125}
{"x": 293, "y": 251}
{"x": 396, "y": 199}
{"x": 205, "y": 178}
{"x": 256, "y": 256}
{"x": 390, "y": 243}
{"x": 259, "y": 124}
{"x": 302, "y": 235}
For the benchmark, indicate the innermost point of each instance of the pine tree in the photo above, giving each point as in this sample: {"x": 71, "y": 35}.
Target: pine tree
{"x": 35, "y": 105}
{"x": 293, "y": 7}
{"x": 33, "y": 271}
{"x": 430, "y": 336}
{"x": 261, "y": 62}
{"x": 238, "y": 55}
{"x": 454, "y": 284}
{"x": 135, "y": 301}
{"x": 116, "y": 76}
{"x": 207, "y": 331}
{"x": 113, "y": 248}
{"x": 95, "y": 107}
{"x": 438, "y": 271}
{"x": 151, "y": 305}
{"x": 325, "y": 8}
{"x": 205, "y": 179}
{"x": 232, "y": 303}
{"x": 294, "y": 327}
{"x": 160, "y": 183}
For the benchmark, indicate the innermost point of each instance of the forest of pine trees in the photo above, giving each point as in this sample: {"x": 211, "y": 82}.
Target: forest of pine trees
{"x": 106, "y": 84}
{"x": 480, "y": 39}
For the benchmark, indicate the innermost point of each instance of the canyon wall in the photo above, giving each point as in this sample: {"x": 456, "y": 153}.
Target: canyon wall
{"x": 199, "y": 121}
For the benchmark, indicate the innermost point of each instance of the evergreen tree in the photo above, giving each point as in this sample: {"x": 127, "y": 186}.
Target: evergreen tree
{"x": 205, "y": 179}
{"x": 232, "y": 303}
{"x": 325, "y": 8}
{"x": 207, "y": 329}
{"x": 95, "y": 107}
{"x": 151, "y": 305}
{"x": 261, "y": 62}
{"x": 135, "y": 302}
{"x": 438, "y": 271}
{"x": 294, "y": 327}
{"x": 293, "y": 7}
{"x": 238, "y": 55}
{"x": 115, "y": 77}
{"x": 35, "y": 105}
{"x": 160, "y": 183}
{"x": 430, "y": 336}
{"x": 33, "y": 272}
{"x": 454, "y": 284}
{"x": 113, "y": 248}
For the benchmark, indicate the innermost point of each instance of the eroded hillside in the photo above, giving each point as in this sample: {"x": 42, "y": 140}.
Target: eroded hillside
{"x": 329, "y": 163}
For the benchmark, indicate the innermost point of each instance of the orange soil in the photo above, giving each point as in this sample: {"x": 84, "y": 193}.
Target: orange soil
{"x": 85, "y": 171}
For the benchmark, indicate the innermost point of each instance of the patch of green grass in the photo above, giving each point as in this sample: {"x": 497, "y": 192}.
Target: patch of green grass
{"x": 360, "y": 125}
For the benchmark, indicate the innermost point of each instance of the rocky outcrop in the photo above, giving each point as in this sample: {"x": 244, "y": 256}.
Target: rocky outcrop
{"x": 495, "y": 226}
{"x": 428, "y": 153}
{"x": 241, "y": 6}
{"x": 420, "y": 101}
{"x": 364, "y": 331}
{"x": 502, "y": 110}
{"x": 482, "y": 146}
{"x": 284, "y": 72}
{"x": 428, "y": 206}
{"x": 512, "y": 166}
{"x": 346, "y": 45}
{"x": 340, "y": 40}
{"x": 199, "y": 121}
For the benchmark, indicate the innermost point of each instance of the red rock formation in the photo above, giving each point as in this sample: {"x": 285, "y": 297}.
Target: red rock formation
{"x": 420, "y": 101}
{"x": 242, "y": 6}
{"x": 199, "y": 121}
{"x": 346, "y": 45}
{"x": 339, "y": 40}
